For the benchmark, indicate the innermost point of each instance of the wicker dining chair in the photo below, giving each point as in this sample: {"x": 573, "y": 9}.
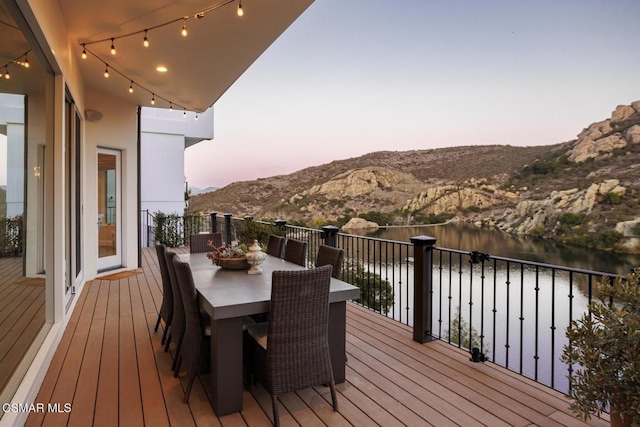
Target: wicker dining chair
{"x": 166, "y": 309}
{"x": 296, "y": 348}
{"x": 178, "y": 322}
{"x": 195, "y": 349}
{"x": 295, "y": 251}
{"x": 199, "y": 242}
{"x": 328, "y": 255}
{"x": 275, "y": 244}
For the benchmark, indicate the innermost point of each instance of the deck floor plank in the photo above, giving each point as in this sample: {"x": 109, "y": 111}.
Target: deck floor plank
{"x": 111, "y": 367}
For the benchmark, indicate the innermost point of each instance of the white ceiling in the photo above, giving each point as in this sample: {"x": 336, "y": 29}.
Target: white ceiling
{"x": 218, "y": 49}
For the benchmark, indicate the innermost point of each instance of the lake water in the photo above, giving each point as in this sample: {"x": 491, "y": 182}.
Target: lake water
{"x": 522, "y": 312}
{"x": 468, "y": 237}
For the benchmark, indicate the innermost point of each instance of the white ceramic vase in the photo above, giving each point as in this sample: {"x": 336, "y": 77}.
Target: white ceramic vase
{"x": 255, "y": 256}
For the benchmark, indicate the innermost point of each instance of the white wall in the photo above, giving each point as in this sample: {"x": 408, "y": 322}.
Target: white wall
{"x": 116, "y": 130}
{"x": 164, "y": 136}
{"x": 162, "y": 172}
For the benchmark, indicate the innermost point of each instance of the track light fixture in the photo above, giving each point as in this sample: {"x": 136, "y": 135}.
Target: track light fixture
{"x": 113, "y": 48}
{"x": 145, "y": 42}
{"x": 240, "y": 10}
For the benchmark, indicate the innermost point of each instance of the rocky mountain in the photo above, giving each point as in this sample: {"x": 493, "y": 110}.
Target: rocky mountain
{"x": 585, "y": 191}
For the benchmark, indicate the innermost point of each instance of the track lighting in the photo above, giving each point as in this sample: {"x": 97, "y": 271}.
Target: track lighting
{"x": 131, "y": 87}
{"x": 153, "y": 99}
{"x": 145, "y": 42}
{"x": 240, "y": 11}
{"x": 6, "y": 73}
{"x": 113, "y": 48}
{"x": 106, "y": 71}
{"x": 84, "y": 51}
{"x": 26, "y": 64}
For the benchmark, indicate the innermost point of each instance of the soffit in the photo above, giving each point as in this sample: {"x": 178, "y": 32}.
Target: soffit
{"x": 218, "y": 49}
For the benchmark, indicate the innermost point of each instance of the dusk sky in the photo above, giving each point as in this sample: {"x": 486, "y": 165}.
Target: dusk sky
{"x": 352, "y": 77}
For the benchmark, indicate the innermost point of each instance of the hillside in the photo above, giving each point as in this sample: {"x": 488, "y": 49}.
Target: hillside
{"x": 264, "y": 197}
{"x": 585, "y": 191}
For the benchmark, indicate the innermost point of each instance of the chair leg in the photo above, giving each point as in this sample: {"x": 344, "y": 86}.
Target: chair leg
{"x": 189, "y": 385}
{"x": 334, "y": 397}
{"x": 177, "y": 362}
{"x": 276, "y": 415}
{"x": 157, "y": 324}
{"x": 167, "y": 342}
{"x": 164, "y": 335}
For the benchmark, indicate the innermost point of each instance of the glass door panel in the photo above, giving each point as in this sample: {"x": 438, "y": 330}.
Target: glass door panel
{"x": 109, "y": 227}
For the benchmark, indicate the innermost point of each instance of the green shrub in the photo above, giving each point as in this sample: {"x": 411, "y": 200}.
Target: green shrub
{"x": 168, "y": 229}
{"x": 569, "y": 220}
{"x": 251, "y": 230}
{"x": 604, "y": 351}
{"x": 375, "y": 292}
{"x": 611, "y": 198}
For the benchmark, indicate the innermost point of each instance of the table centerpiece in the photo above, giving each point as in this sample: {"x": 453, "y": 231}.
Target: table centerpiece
{"x": 230, "y": 256}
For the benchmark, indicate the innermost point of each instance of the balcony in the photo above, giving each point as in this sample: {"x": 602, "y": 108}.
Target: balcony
{"x": 112, "y": 370}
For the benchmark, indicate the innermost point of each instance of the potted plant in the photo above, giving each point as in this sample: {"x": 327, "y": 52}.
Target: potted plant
{"x": 604, "y": 348}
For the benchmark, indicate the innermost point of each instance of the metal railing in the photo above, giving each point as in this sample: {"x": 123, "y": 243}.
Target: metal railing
{"x": 514, "y": 312}
{"x": 173, "y": 230}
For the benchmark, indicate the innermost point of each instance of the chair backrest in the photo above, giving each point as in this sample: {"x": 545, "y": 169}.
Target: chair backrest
{"x": 199, "y": 242}
{"x": 194, "y": 331}
{"x": 295, "y": 251}
{"x": 328, "y": 255}
{"x": 178, "y": 321}
{"x": 166, "y": 309}
{"x": 275, "y": 245}
{"x": 298, "y": 336}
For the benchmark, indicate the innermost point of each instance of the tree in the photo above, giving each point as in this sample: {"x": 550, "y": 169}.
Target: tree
{"x": 375, "y": 292}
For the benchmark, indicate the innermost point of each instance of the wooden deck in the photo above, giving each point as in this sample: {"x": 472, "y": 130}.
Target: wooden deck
{"x": 111, "y": 368}
{"x": 22, "y": 315}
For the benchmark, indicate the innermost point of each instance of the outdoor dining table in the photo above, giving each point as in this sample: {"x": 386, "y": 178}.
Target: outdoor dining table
{"x": 228, "y": 296}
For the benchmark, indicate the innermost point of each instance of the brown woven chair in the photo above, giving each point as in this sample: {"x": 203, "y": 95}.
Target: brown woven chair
{"x": 199, "y": 242}
{"x": 328, "y": 255}
{"x": 297, "y": 340}
{"x": 275, "y": 245}
{"x": 295, "y": 251}
{"x": 178, "y": 322}
{"x": 166, "y": 309}
{"x": 195, "y": 349}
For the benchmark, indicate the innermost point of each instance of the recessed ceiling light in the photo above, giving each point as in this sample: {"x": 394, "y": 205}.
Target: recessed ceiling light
{"x": 161, "y": 69}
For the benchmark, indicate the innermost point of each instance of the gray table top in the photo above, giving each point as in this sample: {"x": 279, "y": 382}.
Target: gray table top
{"x": 234, "y": 293}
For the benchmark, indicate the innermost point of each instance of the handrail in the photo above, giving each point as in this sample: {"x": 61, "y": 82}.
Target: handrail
{"x": 513, "y": 312}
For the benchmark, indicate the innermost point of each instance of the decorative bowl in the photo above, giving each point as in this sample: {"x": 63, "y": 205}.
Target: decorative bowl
{"x": 233, "y": 263}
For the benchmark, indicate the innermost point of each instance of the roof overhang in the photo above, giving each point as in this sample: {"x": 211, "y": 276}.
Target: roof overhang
{"x": 219, "y": 46}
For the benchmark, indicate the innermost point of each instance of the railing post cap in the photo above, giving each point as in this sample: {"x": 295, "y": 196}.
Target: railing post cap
{"x": 213, "y": 213}
{"x": 332, "y": 229}
{"x": 228, "y": 215}
{"x": 423, "y": 240}
{"x": 280, "y": 221}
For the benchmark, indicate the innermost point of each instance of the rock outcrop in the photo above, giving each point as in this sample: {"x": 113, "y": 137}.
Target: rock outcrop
{"x": 360, "y": 223}
{"x": 534, "y": 216}
{"x": 452, "y": 198}
{"x": 601, "y": 138}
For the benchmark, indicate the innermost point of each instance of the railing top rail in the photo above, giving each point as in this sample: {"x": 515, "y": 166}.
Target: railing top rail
{"x": 298, "y": 227}
{"x": 375, "y": 239}
{"x": 534, "y": 263}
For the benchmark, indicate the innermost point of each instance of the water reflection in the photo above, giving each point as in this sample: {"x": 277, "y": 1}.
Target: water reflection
{"x": 467, "y": 237}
